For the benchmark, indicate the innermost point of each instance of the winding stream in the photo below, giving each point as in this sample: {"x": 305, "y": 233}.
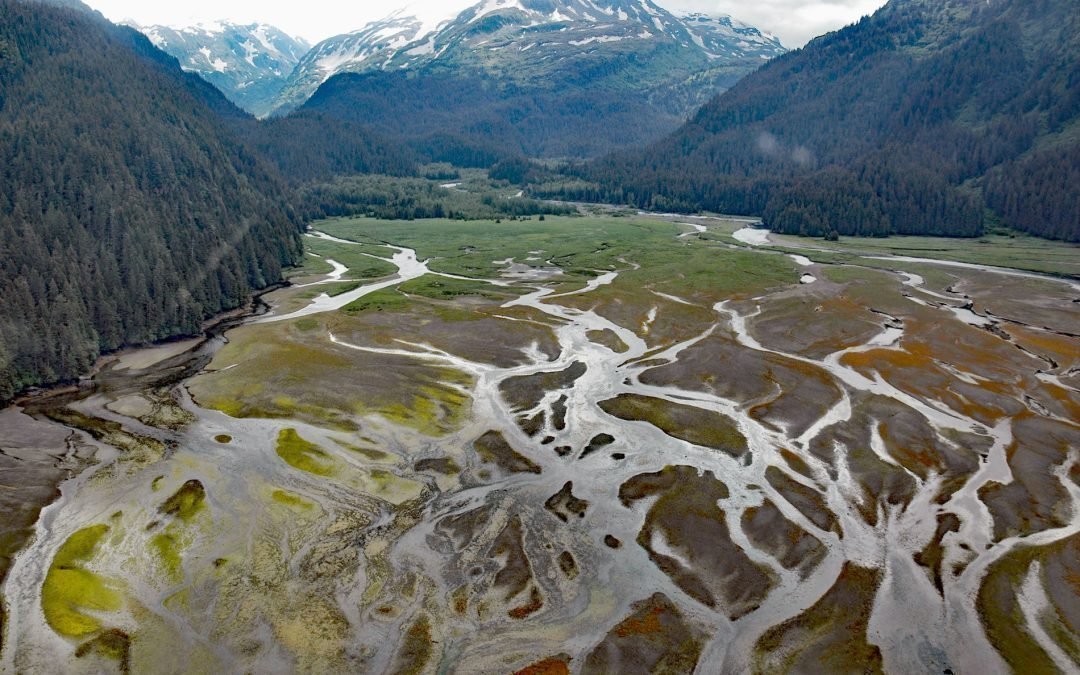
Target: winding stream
{"x": 916, "y": 627}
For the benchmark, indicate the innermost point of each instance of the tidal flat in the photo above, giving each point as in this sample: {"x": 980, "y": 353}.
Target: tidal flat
{"x": 595, "y": 444}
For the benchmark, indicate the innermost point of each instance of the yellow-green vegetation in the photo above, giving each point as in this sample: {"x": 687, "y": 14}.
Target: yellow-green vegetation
{"x": 445, "y": 288}
{"x": 357, "y": 257}
{"x": 576, "y": 245}
{"x": 388, "y": 299}
{"x": 71, "y": 590}
{"x": 693, "y": 425}
{"x": 1019, "y": 251}
{"x": 999, "y": 608}
{"x": 434, "y": 411}
{"x": 317, "y": 382}
{"x": 224, "y": 439}
{"x": 168, "y": 550}
{"x": 305, "y": 455}
{"x": 168, "y": 545}
{"x": 291, "y": 500}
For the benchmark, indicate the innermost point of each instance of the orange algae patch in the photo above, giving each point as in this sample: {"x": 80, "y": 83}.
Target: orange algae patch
{"x": 556, "y": 665}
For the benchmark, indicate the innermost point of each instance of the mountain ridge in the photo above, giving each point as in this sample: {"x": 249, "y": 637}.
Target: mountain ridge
{"x": 249, "y": 63}
{"x": 912, "y": 121}
{"x": 494, "y": 38}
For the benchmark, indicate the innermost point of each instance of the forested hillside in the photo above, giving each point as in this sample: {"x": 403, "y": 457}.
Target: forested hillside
{"x": 128, "y": 213}
{"x": 559, "y": 78}
{"x": 912, "y": 121}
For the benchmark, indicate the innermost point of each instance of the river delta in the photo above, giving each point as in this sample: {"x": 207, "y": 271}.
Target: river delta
{"x": 643, "y": 443}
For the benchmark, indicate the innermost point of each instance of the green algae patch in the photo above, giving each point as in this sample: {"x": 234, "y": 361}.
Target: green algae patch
{"x": 436, "y": 411}
{"x": 392, "y": 488}
{"x": 293, "y": 501}
{"x": 187, "y": 502}
{"x": 168, "y": 548}
{"x": 224, "y": 439}
{"x": 70, "y": 590}
{"x": 305, "y": 455}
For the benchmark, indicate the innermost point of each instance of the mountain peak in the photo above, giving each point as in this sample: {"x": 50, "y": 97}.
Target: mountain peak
{"x": 526, "y": 40}
{"x": 249, "y": 63}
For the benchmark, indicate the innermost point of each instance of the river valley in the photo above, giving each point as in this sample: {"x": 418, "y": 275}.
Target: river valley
{"x": 588, "y": 445}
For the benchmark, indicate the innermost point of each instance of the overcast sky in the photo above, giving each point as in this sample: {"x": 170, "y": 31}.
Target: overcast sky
{"x": 793, "y": 21}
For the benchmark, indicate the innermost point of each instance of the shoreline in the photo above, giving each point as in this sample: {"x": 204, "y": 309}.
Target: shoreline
{"x": 42, "y": 473}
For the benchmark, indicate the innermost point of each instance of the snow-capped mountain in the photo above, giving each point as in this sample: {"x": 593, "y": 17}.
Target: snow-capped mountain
{"x": 538, "y": 41}
{"x": 248, "y": 63}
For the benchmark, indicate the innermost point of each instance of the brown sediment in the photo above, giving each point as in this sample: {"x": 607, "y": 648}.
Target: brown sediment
{"x": 687, "y": 517}
{"x": 830, "y": 637}
{"x": 532, "y": 426}
{"x": 416, "y": 650}
{"x": 797, "y": 463}
{"x": 654, "y": 638}
{"x": 526, "y": 391}
{"x": 933, "y": 555}
{"x": 461, "y": 529}
{"x": 808, "y": 501}
{"x": 693, "y": 425}
{"x": 493, "y": 448}
{"x": 839, "y": 322}
{"x": 139, "y": 450}
{"x": 565, "y": 505}
{"x": 768, "y": 530}
{"x": 558, "y": 413}
{"x": 35, "y": 457}
{"x": 612, "y": 541}
{"x": 568, "y": 565}
{"x": 443, "y": 465}
{"x": 516, "y": 573}
{"x": 1035, "y": 501}
{"x": 608, "y": 338}
{"x": 780, "y": 391}
{"x": 598, "y": 442}
{"x": 113, "y": 644}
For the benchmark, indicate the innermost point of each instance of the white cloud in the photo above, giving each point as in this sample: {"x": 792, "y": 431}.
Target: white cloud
{"x": 793, "y": 21}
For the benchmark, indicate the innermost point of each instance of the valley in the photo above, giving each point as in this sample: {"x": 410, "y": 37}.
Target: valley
{"x": 613, "y": 442}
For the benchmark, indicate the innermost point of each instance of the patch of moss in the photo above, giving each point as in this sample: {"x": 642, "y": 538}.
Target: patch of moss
{"x": 70, "y": 590}
{"x": 223, "y": 438}
{"x": 305, "y": 455}
{"x": 187, "y": 502}
{"x": 113, "y": 644}
{"x": 167, "y": 547}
